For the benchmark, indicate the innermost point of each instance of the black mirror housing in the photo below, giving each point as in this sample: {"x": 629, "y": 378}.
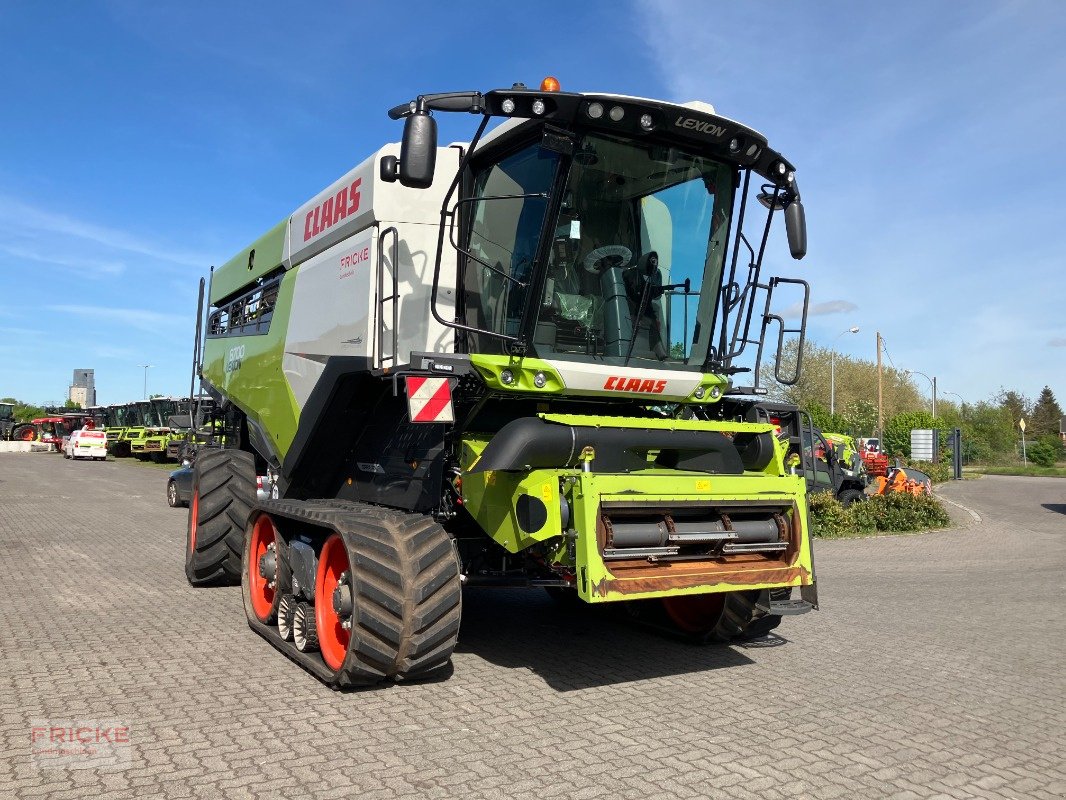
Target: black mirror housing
{"x": 418, "y": 151}
{"x": 389, "y": 169}
{"x": 796, "y": 228}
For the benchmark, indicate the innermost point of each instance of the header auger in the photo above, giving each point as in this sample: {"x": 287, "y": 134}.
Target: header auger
{"x": 508, "y": 362}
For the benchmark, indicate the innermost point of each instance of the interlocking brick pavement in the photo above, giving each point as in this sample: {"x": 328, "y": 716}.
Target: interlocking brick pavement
{"x": 935, "y": 669}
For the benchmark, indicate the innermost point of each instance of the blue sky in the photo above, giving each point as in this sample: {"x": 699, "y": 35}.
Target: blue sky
{"x": 143, "y": 142}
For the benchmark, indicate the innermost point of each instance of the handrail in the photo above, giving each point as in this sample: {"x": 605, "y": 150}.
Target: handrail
{"x": 394, "y": 297}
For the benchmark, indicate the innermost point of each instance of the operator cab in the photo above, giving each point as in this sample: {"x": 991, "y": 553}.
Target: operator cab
{"x": 605, "y": 228}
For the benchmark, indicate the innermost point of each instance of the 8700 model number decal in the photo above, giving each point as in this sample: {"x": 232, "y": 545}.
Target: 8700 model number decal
{"x": 234, "y": 357}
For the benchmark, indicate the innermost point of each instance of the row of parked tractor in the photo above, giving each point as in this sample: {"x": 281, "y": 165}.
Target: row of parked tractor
{"x": 158, "y": 429}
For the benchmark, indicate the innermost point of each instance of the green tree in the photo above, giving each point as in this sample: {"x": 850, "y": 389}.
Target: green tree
{"x": 861, "y": 416}
{"x": 1045, "y": 415}
{"x": 24, "y": 412}
{"x": 988, "y": 432}
{"x": 824, "y": 421}
{"x": 897, "y": 440}
{"x": 855, "y": 386}
{"x": 1017, "y": 404}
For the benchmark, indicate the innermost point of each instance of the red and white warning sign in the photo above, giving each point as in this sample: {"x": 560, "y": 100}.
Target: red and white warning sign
{"x": 429, "y": 399}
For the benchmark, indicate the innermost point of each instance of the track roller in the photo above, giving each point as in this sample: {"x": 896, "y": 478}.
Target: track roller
{"x": 286, "y": 612}
{"x": 304, "y": 632}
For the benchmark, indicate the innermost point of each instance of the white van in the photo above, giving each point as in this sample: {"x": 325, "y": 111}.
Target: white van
{"x": 86, "y": 444}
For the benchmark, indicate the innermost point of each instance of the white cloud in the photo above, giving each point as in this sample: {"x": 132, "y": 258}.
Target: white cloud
{"x": 127, "y": 354}
{"x": 18, "y": 218}
{"x": 85, "y": 265}
{"x": 1057, "y": 342}
{"x": 795, "y": 310}
{"x": 138, "y": 319}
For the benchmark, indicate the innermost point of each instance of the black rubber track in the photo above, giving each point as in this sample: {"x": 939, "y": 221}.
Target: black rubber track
{"x": 224, "y": 484}
{"x": 406, "y": 591}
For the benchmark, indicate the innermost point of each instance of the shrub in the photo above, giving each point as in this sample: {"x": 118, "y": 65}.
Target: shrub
{"x": 1043, "y": 453}
{"x": 893, "y": 512}
{"x": 828, "y": 518}
{"x": 863, "y": 517}
{"x": 899, "y": 511}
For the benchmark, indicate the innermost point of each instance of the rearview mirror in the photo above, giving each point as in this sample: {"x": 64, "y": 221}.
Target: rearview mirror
{"x": 418, "y": 151}
{"x": 796, "y": 228}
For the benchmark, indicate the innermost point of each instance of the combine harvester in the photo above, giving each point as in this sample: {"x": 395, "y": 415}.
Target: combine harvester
{"x": 124, "y": 423}
{"x": 508, "y": 362}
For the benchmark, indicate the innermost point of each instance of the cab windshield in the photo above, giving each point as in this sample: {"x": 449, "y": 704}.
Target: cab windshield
{"x": 636, "y": 254}
{"x": 164, "y": 410}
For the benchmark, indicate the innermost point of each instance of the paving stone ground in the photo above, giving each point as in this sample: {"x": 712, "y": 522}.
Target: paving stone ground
{"x": 934, "y": 669}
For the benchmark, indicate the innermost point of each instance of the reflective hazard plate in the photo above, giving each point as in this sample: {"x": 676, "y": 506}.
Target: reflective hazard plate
{"x": 429, "y": 399}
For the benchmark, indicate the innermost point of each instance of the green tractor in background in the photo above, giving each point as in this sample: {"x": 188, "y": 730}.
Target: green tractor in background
{"x": 7, "y": 421}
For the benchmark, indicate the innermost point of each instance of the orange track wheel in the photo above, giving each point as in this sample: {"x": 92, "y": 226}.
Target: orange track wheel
{"x": 333, "y": 601}
{"x": 695, "y": 613}
{"x": 262, "y": 589}
{"x": 27, "y": 434}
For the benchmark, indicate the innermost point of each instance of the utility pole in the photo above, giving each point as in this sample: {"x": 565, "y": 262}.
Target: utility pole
{"x": 880, "y": 395}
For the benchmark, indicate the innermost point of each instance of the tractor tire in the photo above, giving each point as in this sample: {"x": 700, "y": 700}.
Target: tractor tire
{"x": 223, "y": 492}
{"x": 24, "y": 433}
{"x": 849, "y": 496}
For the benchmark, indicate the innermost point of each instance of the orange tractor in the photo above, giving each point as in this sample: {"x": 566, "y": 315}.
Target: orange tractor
{"x": 47, "y": 430}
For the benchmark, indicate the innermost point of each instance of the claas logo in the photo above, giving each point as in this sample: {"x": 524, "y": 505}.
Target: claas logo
{"x": 621, "y": 384}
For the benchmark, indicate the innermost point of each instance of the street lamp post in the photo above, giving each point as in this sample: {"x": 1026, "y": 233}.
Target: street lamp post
{"x": 955, "y": 394}
{"x": 146, "y": 368}
{"x": 833, "y": 369}
{"x": 932, "y": 382}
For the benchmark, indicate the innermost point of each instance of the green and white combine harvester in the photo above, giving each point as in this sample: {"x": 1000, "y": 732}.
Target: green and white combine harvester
{"x": 508, "y": 362}
{"x": 159, "y": 437}
{"x": 123, "y": 424}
